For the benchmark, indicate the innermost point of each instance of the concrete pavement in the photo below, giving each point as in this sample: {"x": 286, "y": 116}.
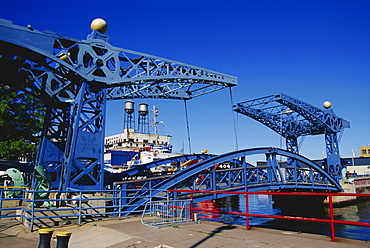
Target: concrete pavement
{"x": 131, "y": 233}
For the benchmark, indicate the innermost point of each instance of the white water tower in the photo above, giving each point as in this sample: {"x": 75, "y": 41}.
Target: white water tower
{"x": 143, "y": 123}
{"x": 129, "y": 121}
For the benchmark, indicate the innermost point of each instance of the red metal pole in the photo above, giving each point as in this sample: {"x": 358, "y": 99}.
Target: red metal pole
{"x": 246, "y": 209}
{"x": 331, "y": 218}
{"x": 191, "y": 206}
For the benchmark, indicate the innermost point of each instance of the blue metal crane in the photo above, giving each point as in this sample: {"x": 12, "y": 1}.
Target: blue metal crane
{"x": 292, "y": 118}
{"x": 76, "y": 78}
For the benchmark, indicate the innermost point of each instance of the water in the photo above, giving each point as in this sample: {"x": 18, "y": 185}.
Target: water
{"x": 263, "y": 204}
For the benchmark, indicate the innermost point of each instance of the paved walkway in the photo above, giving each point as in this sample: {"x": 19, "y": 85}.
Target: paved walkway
{"x": 131, "y": 233}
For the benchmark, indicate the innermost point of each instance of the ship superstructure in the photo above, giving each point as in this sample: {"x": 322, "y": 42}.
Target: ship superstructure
{"x": 139, "y": 138}
{"x": 136, "y": 144}
{"x": 129, "y": 140}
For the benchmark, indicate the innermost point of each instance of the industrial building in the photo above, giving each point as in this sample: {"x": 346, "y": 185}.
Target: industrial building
{"x": 365, "y": 151}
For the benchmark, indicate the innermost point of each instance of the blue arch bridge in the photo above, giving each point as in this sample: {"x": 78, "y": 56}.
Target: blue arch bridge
{"x": 75, "y": 78}
{"x": 227, "y": 172}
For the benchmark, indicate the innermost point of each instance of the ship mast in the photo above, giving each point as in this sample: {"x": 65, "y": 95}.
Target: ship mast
{"x": 155, "y": 123}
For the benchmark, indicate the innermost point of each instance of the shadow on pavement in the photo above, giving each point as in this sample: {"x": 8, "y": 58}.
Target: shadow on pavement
{"x": 214, "y": 233}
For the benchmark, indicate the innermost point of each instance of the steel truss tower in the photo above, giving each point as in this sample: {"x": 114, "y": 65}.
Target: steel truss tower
{"x": 76, "y": 78}
{"x": 292, "y": 118}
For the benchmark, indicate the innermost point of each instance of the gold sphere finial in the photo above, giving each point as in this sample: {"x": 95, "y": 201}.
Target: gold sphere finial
{"x": 327, "y": 104}
{"x": 99, "y": 24}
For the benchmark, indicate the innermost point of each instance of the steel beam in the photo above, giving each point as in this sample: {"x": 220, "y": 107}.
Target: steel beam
{"x": 292, "y": 118}
{"x": 75, "y": 78}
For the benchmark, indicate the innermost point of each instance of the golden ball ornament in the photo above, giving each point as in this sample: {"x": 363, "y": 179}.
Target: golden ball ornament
{"x": 99, "y": 24}
{"x": 327, "y": 104}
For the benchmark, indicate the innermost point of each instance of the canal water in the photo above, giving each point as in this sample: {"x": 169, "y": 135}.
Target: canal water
{"x": 264, "y": 204}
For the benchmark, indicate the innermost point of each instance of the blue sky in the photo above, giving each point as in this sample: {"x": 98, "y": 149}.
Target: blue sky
{"x": 311, "y": 50}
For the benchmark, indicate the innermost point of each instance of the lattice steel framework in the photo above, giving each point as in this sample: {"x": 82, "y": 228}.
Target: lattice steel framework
{"x": 292, "y": 118}
{"x": 206, "y": 176}
{"x": 75, "y": 78}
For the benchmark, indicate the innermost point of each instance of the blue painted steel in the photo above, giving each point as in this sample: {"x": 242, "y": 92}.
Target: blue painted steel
{"x": 75, "y": 78}
{"x": 270, "y": 180}
{"x": 292, "y": 118}
{"x": 127, "y": 74}
{"x": 204, "y": 176}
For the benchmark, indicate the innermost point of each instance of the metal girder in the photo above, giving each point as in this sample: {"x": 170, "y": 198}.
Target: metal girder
{"x": 324, "y": 120}
{"x": 280, "y": 118}
{"x": 75, "y": 78}
{"x": 204, "y": 176}
{"x": 55, "y": 62}
{"x": 277, "y": 117}
{"x": 83, "y": 168}
{"x": 292, "y": 118}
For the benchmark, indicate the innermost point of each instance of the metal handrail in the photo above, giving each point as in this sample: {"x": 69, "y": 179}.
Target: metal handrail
{"x": 82, "y": 209}
{"x": 79, "y": 206}
{"x": 331, "y": 219}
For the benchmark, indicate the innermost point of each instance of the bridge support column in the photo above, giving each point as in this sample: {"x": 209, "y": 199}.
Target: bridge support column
{"x": 276, "y": 176}
{"x": 334, "y": 165}
{"x": 84, "y": 153}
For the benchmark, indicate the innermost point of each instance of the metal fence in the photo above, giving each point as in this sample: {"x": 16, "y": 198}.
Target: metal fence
{"x": 332, "y": 221}
{"x": 50, "y": 208}
{"x": 166, "y": 213}
{"x": 37, "y": 209}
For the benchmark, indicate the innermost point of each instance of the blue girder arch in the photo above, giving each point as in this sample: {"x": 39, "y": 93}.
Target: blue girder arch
{"x": 326, "y": 181}
{"x": 204, "y": 176}
{"x": 76, "y": 78}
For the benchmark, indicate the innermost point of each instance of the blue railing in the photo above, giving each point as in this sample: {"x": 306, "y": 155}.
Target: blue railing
{"x": 68, "y": 207}
{"x": 82, "y": 206}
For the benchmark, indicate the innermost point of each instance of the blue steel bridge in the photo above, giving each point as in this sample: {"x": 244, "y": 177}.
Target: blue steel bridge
{"x": 75, "y": 78}
{"x": 209, "y": 175}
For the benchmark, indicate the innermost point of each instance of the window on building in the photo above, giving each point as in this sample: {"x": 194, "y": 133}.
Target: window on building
{"x": 368, "y": 151}
{"x": 363, "y": 152}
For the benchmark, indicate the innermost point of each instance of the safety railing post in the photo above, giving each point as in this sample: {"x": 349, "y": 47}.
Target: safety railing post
{"x": 246, "y": 209}
{"x": 150, "y": 191}
{"x": 214, "y": 183}
{"x": 332, "y": 226}
{"x": 191, "y": 206}
{"x": 79, "y": 208}
{"x": 32, "y": 210}
{"x": 175, "y": 195}
{"x": 1, "y": 202}
{"x": 119, "y": 203}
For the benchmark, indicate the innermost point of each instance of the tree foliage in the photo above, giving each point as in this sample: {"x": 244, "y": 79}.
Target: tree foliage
{"x": 21, "y": 118}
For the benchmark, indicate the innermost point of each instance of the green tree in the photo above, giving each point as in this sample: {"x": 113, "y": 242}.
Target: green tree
{"x": 21, "y": 118}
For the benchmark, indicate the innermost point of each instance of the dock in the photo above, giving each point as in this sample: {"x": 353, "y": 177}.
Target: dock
{"x": 130, "y": 232}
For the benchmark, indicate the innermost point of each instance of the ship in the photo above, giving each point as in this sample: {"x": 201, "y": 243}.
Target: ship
{"x": 137, "y": 145}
